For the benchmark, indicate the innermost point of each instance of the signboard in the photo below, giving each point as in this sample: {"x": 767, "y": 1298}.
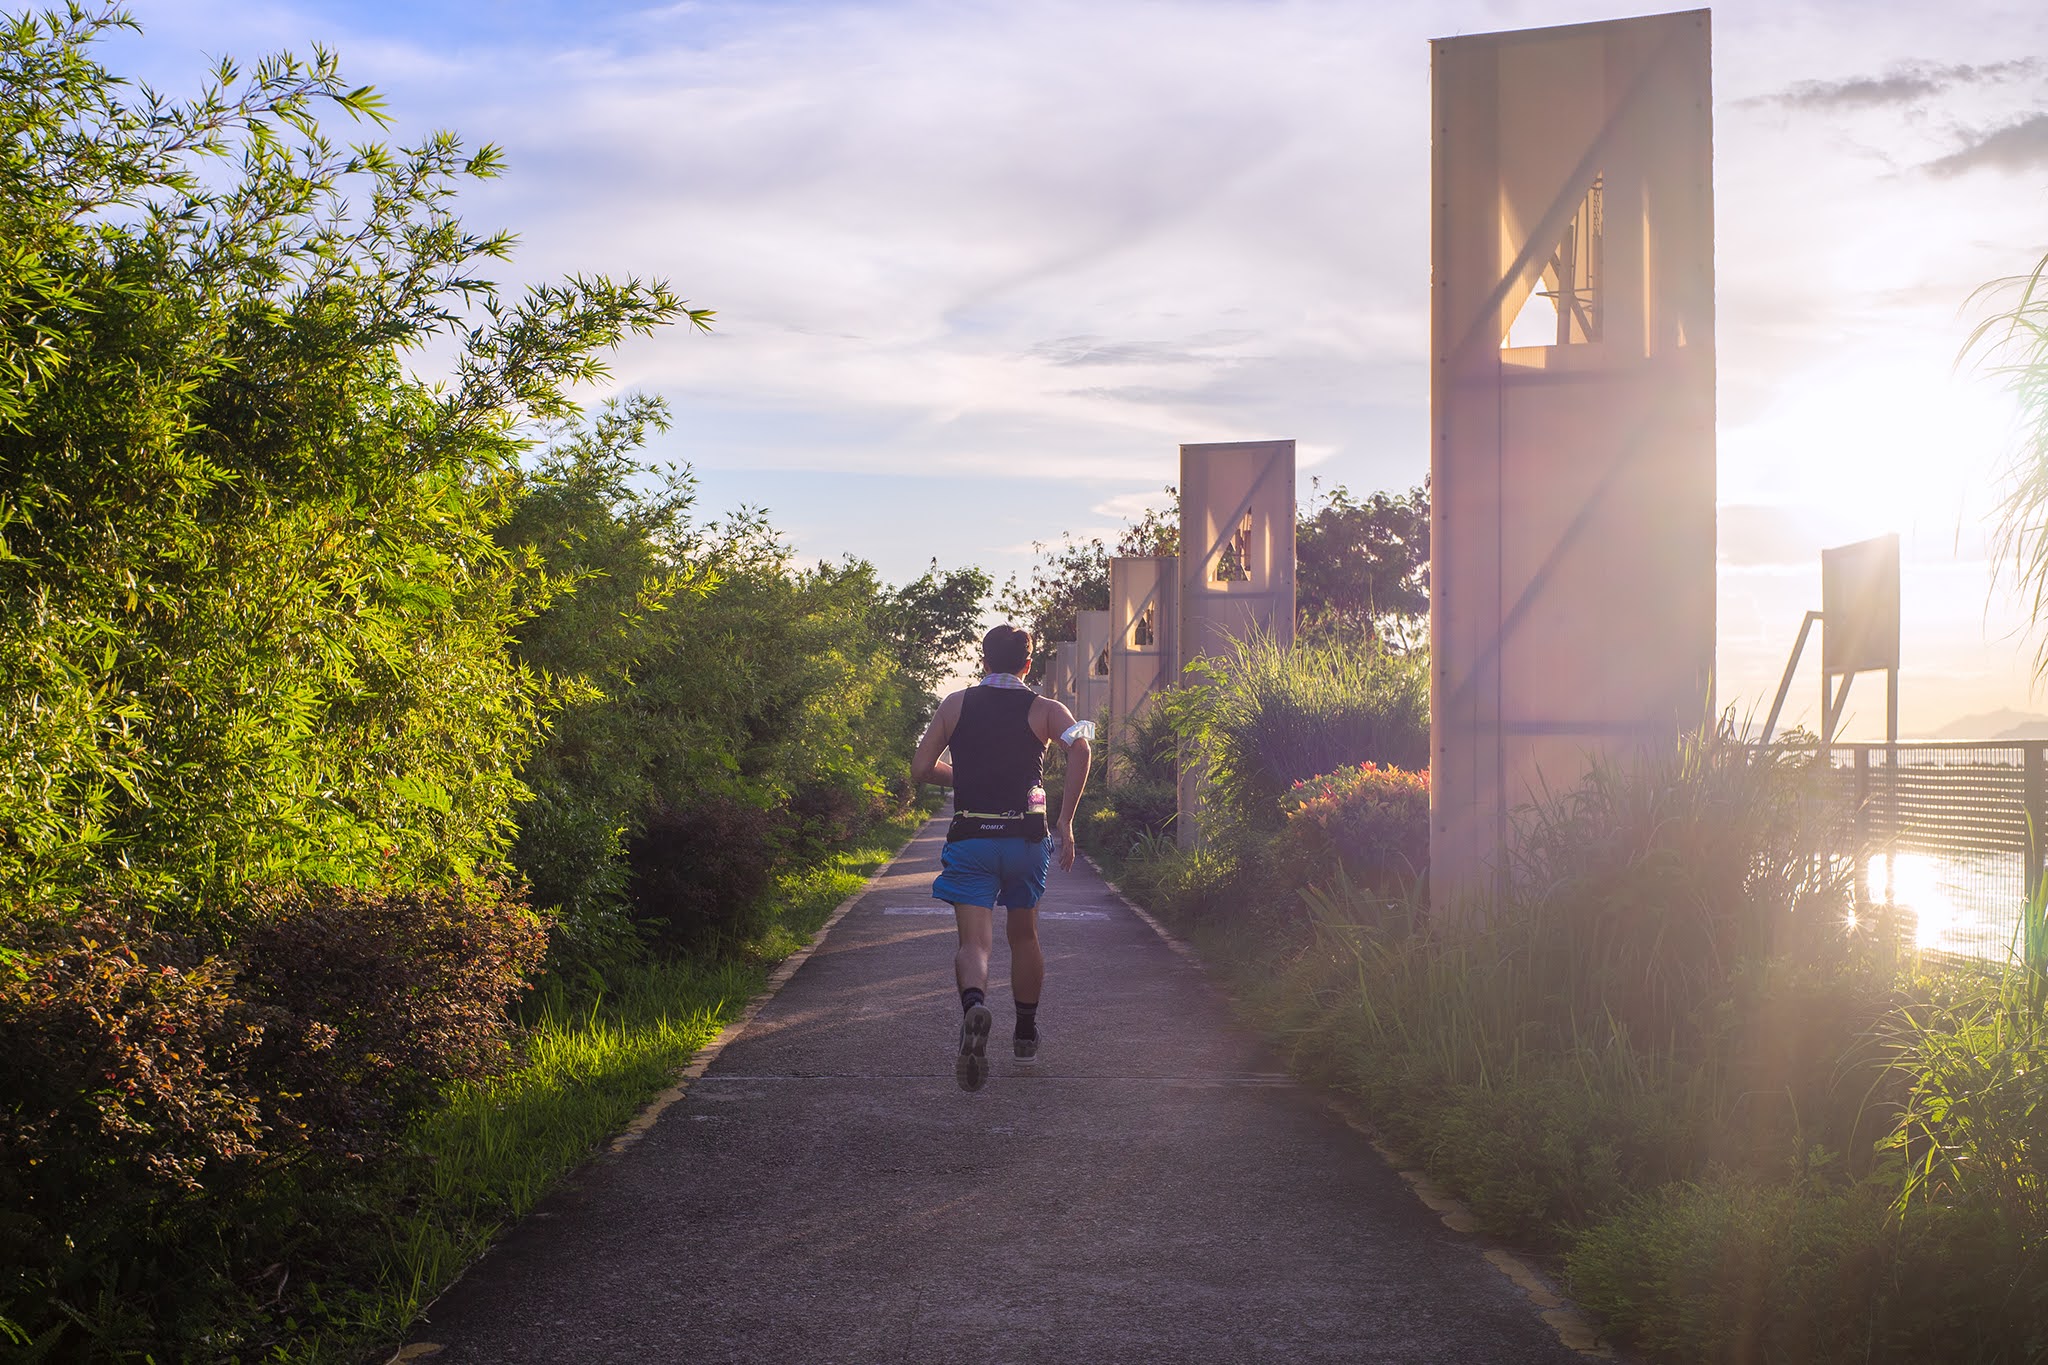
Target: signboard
{"x": 1859, "y": 606}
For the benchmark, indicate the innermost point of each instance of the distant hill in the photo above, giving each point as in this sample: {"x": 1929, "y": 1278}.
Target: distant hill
{"x": 2001, "y": 724}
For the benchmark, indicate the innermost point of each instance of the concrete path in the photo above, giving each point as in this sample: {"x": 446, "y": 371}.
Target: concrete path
{"x": 1152, "y": 1190}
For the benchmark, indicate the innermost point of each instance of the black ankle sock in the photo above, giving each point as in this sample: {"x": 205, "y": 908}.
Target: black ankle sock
{"x": 1027, "y": 1019}
{"x": 969, "y": 998}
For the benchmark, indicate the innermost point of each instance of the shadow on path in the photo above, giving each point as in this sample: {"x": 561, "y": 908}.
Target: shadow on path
{"x": 1151, "y": 1190}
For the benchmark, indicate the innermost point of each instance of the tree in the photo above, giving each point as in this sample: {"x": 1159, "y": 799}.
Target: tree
{"x": 934, "y": 621}
{"x": 1360, "y": 562}
{"x": 253, "y": 619}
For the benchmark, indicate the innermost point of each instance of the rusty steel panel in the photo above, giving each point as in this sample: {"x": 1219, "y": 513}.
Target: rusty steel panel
{"x": 1062, "y": 681}
{"x": 1572, "y": 417}
{"x": 1091, "y": 664}
{"x": 1237, "y": 544}
{"x": 1144, "y": 623}
{"x": 1237, "y": 558}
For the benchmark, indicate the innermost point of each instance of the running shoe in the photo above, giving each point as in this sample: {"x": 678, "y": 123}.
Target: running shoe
{"x": 1026, "y": 1049}
{"x": 971, "y": 1070}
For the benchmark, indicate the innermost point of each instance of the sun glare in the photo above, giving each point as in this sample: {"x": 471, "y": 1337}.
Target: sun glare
{"x": 1913, "y": 882}
{"x": 1909, "y": 445}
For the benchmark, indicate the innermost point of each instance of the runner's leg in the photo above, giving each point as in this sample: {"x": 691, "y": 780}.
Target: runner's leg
{"x": 1027, "y": 978}
{"x": 977, "y": 935}
{"x": 1027, "y": 959}
{"x": 970, "y": 971}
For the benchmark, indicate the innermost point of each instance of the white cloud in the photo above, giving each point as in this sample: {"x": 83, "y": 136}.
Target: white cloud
{"x": 995, "y": 242}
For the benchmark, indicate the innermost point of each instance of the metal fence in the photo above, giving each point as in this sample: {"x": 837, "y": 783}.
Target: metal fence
{"x": 1948, "y": 831}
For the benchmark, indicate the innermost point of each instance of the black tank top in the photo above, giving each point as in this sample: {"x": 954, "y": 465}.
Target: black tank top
{"x": 997, "y": 759}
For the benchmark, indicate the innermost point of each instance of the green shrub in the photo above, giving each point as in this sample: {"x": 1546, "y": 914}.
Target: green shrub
{"x": 1974, "y": 1125}
{"x": 1132, "y": 811}
{"x": 1540, "y": 1150}
{"x": 1188, "y": 886}
{"x": 1796, "y": 1055}
{"x": 1133, "y": 794}
{"x": 1370, "y": 821}
{"x": 697, "y": 670}
{"x": 700, "y": 874}
{"x": 1143, "y": 749}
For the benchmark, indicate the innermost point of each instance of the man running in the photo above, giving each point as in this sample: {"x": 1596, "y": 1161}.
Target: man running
{"x": 999, "y": 847}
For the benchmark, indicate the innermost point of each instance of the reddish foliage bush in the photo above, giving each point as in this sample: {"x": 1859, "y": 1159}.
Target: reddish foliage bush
{"x": 124, "y": 1044}
{"x": 1372, "y": 820}
{"x": 373, "y": 1002}
{"x": 149, "y": 1083}
{"x": 124, "y": 1101}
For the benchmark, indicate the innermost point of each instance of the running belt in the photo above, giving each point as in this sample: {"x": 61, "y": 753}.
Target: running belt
{"x": 971, "y": 824}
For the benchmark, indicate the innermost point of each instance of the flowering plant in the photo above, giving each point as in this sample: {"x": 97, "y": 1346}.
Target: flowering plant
{"x": 1373, "y": 820}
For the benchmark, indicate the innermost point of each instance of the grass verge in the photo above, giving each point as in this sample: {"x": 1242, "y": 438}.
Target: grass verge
{"x": 589, "y": 1066}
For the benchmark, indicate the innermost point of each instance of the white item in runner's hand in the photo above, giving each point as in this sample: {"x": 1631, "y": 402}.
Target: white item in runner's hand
{"x": 1080, "y": 729}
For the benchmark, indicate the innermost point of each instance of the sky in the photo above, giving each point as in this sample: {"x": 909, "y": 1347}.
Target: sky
{"x": 979, "y": 268}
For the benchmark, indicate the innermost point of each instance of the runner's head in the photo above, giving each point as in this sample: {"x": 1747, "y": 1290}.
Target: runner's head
{"x": 1006, "y": 649}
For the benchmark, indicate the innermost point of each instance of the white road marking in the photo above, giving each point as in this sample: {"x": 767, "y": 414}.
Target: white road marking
{"x": 948, "y": 910}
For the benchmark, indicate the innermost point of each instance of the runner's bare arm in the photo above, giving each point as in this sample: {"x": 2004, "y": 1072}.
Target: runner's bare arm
{"x": 1053, "y": 721}
{"x": 925, "y": 764}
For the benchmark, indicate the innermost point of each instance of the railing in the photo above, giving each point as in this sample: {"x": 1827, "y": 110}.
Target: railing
{"x": 1950, "y": 831}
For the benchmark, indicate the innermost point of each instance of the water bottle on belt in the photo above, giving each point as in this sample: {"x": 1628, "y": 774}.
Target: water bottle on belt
{"x": 1035, "y": 803}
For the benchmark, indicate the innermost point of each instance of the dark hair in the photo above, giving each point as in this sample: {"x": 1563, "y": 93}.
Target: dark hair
{"x": 1006, "y": 649}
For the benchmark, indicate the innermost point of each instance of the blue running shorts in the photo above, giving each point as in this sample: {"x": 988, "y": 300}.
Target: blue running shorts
{"x": 1005, "y": 872}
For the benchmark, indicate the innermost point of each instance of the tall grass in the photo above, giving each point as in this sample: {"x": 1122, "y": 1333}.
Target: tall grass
{"x": 1974, "y": 1127}
{"x": 590, "y": 1061}
{"x": 1271, "y": 716}
{"x": 2013, "y": 342}
{"x": 1637, "y": 893}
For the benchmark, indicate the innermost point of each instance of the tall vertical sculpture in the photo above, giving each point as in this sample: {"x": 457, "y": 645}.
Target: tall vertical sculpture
{"x": 1144, "y": 630}
{"x": 1062, "y": 680}
{"x": 1091, "y": 663}
{"x": 1572, "y": 416}
{"x": 1236, "y": 559}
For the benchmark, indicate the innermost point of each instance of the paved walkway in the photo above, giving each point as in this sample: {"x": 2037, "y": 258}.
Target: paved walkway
{"x": 1151, "y": 1191}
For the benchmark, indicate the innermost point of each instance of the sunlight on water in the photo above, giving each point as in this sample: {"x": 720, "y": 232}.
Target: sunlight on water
{"x": 1913, "y": 880}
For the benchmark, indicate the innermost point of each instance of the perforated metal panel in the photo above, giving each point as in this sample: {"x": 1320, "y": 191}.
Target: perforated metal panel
{"x": 1062, "y": 690}
{"x": 1091, "y": 661}
{"x": 1236, "y": 561}
{"x": 1572, "y": 510}
{"x": 1144, "y": 627}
